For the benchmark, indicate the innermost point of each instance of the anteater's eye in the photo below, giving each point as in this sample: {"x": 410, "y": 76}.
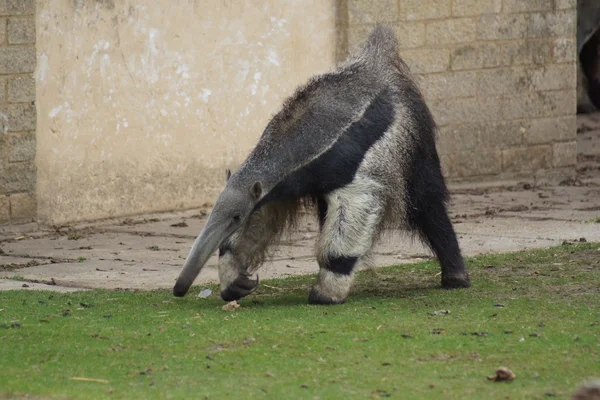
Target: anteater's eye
{"x": 236, "y": 218}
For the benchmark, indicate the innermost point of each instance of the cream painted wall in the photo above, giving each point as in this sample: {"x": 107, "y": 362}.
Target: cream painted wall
{"x": 143, "y": 104}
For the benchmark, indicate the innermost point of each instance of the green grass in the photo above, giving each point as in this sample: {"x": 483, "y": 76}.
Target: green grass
{"x": 379, "y": 344}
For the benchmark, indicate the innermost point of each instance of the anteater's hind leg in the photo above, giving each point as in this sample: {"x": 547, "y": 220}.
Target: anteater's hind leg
{"x": 349, "y": 218}
{"x": 436, "y": 230}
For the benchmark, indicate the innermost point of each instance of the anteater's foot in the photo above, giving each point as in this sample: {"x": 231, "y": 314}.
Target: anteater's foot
{"x": 456, "y": 281}
{"x": 316, "y": 297}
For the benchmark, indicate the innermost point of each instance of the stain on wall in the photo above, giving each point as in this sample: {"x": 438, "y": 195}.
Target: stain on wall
{"x": 141, "y": 106}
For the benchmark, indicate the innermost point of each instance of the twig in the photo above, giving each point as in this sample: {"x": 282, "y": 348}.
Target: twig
{"x": 79, "y": 378}
{"x": 272, "y": 287}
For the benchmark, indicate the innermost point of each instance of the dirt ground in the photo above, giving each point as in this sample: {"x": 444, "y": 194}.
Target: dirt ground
{"x": 148, "y": 251}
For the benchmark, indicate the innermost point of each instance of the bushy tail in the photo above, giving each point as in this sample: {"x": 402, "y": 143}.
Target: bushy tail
{"x": 381, "y": 45}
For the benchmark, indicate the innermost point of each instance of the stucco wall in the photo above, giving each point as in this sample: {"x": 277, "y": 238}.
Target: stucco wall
{"x": 142, "y": 107}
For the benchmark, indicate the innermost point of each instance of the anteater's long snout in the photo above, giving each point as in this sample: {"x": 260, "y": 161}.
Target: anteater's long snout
{"x": 205, "y": 245}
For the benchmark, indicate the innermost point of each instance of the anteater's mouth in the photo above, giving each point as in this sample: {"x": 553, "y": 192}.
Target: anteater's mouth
{"x": 241, "y": 287}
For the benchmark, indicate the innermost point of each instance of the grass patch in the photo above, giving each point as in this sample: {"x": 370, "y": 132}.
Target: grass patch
{"x": 534, "y": 312}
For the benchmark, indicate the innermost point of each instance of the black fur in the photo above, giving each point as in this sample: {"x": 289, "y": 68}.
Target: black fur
{"x": 322, "y": 209}
{"x": 427, "y": 195}
{"x": 341, "y": 265}
{"x": 224, "y": 249}
{"x": 337, "y": 166}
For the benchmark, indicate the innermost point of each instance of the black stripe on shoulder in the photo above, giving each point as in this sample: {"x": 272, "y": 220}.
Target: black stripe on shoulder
{"x": 341, "y": 265}
{"x": 337, "y": 166}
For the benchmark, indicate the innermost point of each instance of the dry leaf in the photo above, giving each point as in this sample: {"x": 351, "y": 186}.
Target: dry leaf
{"x": 502, "y": 374}
{"x": 231, "y": 306}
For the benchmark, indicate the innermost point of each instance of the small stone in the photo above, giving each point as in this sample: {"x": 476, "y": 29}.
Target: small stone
{"x": 205, "y": 293}
{"x": 249, "y": 340}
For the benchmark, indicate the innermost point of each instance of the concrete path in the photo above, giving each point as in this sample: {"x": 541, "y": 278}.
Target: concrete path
{"x": 148, "y": 252}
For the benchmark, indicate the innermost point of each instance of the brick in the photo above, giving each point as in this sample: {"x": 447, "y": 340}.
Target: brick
{"x": 526, "y": 159}
{"x": 516, "y": 6}
{"x": 410, "y": 34}
{"x": 17, "y": 60}
{"x": 3, "y": 97}
{"x": 476, "y": 163}
{"x": 554, "y": 77}
{"x": 502, "y": 26}
{"x": 23, "y": 207}
{"x": 452, "y": 111}
{"x": 4, "y": 210}
{"x": 544, "y": 25}
{"x": 478, "y": 136}
{"x": 2, "y": 31}
{"x": 22, "y": 147}
{"x": 357, "y": 35}
{"x": 462, "y": 8}
{"x": 520, "y": 52}
{"x": 449, "y": 85}
{"x": 21, "y": 31}
{"x": 564, "y": 50}
{"x": 540, "y": 131}
{"x": 565, "y": 4}
{"x": 17, "y": 7}
{"x": 502, "y": 81}
{"x": 540, "y": 104}
{"x": 564, "y": 154}
{"x": 17, "y": 177}
{"x": 17, "y": 118}
{"x": 423, "y": 61}
{"x": 372, "y": 11}
{"x": 477, "y": 55}
{"x": 418, "y": 10}
{"x": 21, "y": 89}
{"x": 457, "y": 30}
{"x": 516, "y": 80}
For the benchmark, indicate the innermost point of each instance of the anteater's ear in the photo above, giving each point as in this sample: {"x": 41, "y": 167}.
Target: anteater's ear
{"x": 256, "y": 190}
{"x": 228, "y": 172}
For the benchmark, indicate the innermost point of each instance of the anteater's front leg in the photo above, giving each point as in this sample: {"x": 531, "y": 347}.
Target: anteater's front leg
{"x": 350, "y": 218}
{"x": 243, "y": 253}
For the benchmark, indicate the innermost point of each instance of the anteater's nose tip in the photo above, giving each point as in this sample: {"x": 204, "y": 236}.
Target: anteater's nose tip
{"x": 179, "y": 290}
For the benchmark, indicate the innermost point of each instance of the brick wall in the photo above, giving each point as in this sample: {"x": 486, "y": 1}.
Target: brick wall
{"x": 17, "y": 111}
{"x": 498, "y": 75}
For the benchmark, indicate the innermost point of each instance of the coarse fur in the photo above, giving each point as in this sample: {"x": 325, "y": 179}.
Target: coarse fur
{"x": 358, "y": 145}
